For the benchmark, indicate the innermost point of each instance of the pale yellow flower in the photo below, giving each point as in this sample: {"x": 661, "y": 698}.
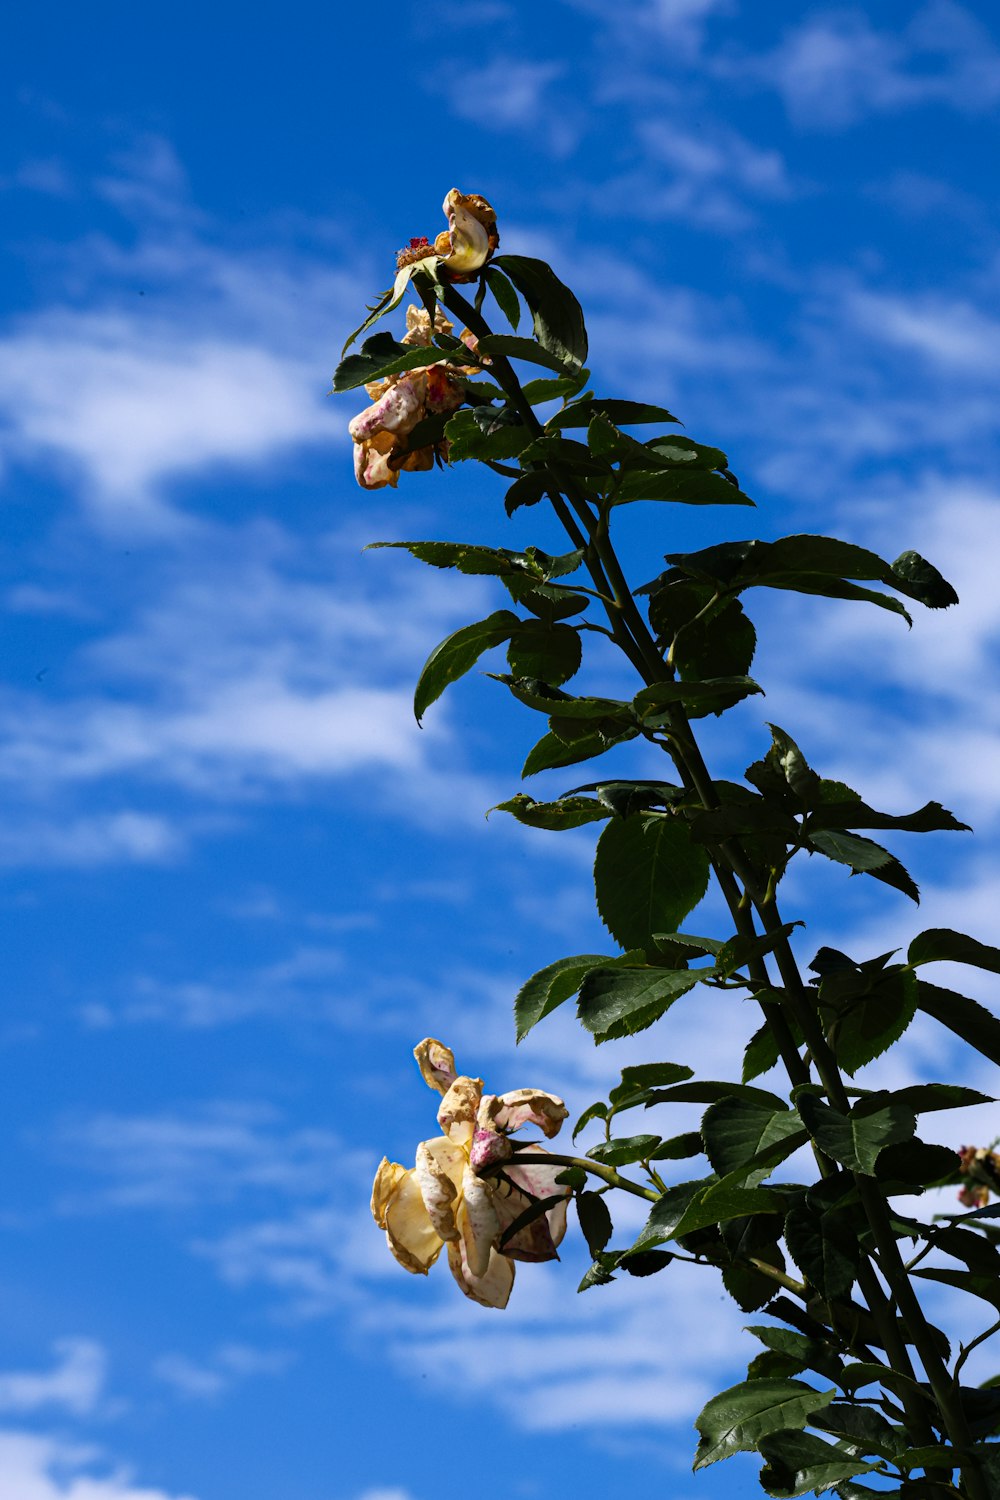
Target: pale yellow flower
{"x": 466, "y": 245}
{"x": 446, "y": 1200}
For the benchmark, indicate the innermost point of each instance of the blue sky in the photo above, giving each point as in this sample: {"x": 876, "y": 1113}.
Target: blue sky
{"x": 238, "y": 882}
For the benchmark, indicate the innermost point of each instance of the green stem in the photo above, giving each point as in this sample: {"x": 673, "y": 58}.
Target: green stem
{"x": 587, "y": 1164}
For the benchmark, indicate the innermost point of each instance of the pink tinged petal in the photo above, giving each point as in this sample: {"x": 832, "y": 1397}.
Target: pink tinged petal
{"x": 408, "y": 1229}
{"x": 439, "y": 1169}
{"x": 537, "y": 1180}
{"x": 398, "y": 411}
{"x": 457, "y": 1110}
{"x": 530, "y": 1107}
{"x": 492, "y": 1289}
{"x": 435, "y": 1061}
{"x": 478, "y": 1221}
{"x": 488, "y": 1148}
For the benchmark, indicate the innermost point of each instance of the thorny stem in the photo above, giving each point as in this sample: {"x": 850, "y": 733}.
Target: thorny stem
{"x": 585, "y": 1163}
{"x": 733, "y": 870}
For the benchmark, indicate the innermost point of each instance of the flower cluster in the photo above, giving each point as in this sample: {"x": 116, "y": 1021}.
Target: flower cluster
{"x": 381, "y": 432}
{"x": 467, "y": 1187}
{"x": 982, "y": 1169}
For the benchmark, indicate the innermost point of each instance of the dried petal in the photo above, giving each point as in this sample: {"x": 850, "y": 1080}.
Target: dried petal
{"x": 436, "y": 1063}
{"x": 457, "y": 1110}
{"x": 488, "y": 1147}
{"x": 387, "y": 1179}
{"x": 526, "y": 1106}
{"x": 439, "y": 1169}
{"x": 472, "y": 233}
{"x": 478, "y": 1222}
{"x": 418, "y": 325}
{"x": 398, "y": 410}
{"x": 408, "y": 1228}
{"x": 492, "y": 1288}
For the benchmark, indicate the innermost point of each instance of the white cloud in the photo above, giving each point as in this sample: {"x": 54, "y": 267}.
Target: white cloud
{"x": 75, "y": 1383}
{"x": 836, "y": 66}
{"x": 85, "y": 842}
{"x": 952, "y": 333}
{"x": 211, "y": 1153}
{"x": 37, "y": 1467}
{"x": 207, "y": 1379}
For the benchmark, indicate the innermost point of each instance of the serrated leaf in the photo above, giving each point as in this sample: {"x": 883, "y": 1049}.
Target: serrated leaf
{"x": 942, "y": 945}
{"x": 855, "y": 1140}
{"x": 596, "y": 1276}
{"x": 553, "y": 751}
{"x": 597, "y": 1111}
{"x": 471, "y": 436}
{"x": 557, "y": 315}
{"x": 647, "y": 878}
{"x": 552, "y": 652}
{"x": 797, "y": 1462}
{"x": 825, "y": 1248}
{"x": 544, "y": 991}
{"x": 966, "y": 1018}
{"x": 860, "y": 1429}
{"x": 678, "y": 486}
{"x": 623, "y": 1150}
{"x": 457, "y": 654}
{"x": 737, "y": 1419}
{"x": 923, "y": 1098}
{"x": 382, "y": 356}
{"x": 568, "y": 812}
{"x": 810, "y": 1353}
{"x": 387, "y": 301}
{"x": 528, "y": 490}
{"x": 736, "y": 1131}
{"x": 866, "y": 1024}
{"x": 620, "y": 1002}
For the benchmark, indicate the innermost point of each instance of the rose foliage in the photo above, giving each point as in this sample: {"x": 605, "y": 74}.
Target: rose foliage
{"x": 853, "y": 1389}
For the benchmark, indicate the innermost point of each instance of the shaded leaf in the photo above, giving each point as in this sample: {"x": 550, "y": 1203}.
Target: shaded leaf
{"x": 595, "y": 1221}
{"x": 797, "y": 1462}
{"x": 942, "y": 945}
{"x": 825, "y": 1248}
{"x": 505, "y": 295}
{"x": 856, "y": 1139}
{"x": 966, "y": 1018}
{"x": 544, "y": 991}
{"x": 526, "y": 349}
{"x": 568, "y": 812}
{"x": 647, "y": 878}
{"x": 557, "y": 315}
{"x": 457, "y": 654}
{"x": 622, "y": 413}
{"x": 623, "y": 1150}
{"x": 550, "y": 651}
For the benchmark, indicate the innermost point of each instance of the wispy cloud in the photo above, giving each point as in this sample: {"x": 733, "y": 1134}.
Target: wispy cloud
{"x": 837, "y": 66}
{"x": 212, "y": 1377}
{"x": 75, "y": 1383}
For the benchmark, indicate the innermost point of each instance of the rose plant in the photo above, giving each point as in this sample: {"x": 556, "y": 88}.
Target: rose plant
{"x": 854, "y": 1389}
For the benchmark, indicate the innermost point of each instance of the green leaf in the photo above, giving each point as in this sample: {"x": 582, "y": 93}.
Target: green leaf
{"x": 552, "y": 652}
{"x": 528, "y": 490}
{"x": 987, "y": 1287}
{"x": 709, "y": 1091}
{"x": 505, "y": 295}
{"x": 482, "y": 432}
{"x": 526, "y": 349}
{"x": 620, "y": 1002}
{"x": 649, "y": 1076}
{"x": 598, "y": 1275}
{"x": 736, "y": 1131}
{"x": 663, "y": 695}
{"x": 736, "y": 1420}
{"x": 568, "y": 812}
{"x": 622, "y": 413}
{"x": 864, "y": 1015}
{"x": 595, "y": 1221}
{"x": 923, "y": 1098}
{"x": 864, "y": 856}
{"x": 544, "y": 991}
{"x": 810, "y": 1353}
{"x": 681, "y": 486}
{"x": 860, "y": 1430}
{"x": 942, "y": 945}
{"x": 931, "y": 818}
{"x": 825, "y": 1248}
{"x": 598, "y": 1111}
{"x": 647, "y": 1262}
{"x": 679, "y": 1147}
{"x": 382, "y": 355}
{"x": 465, "y": 557}
{"x": 856, "y": 1139}
{"x": 557, "y": 315}
{"x": 553, "y": 750}
{"x": 797, "y": 1462}
{"x": 457, "y": 653}
{"x": 624, "y": 1150}
{"x": 647, "y": 878}
{"x": 665, "y": 1215}
{"x": 921, "y": 580}
{"x": 913, "y": 1165}
{"x": 966, "y": 1018}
